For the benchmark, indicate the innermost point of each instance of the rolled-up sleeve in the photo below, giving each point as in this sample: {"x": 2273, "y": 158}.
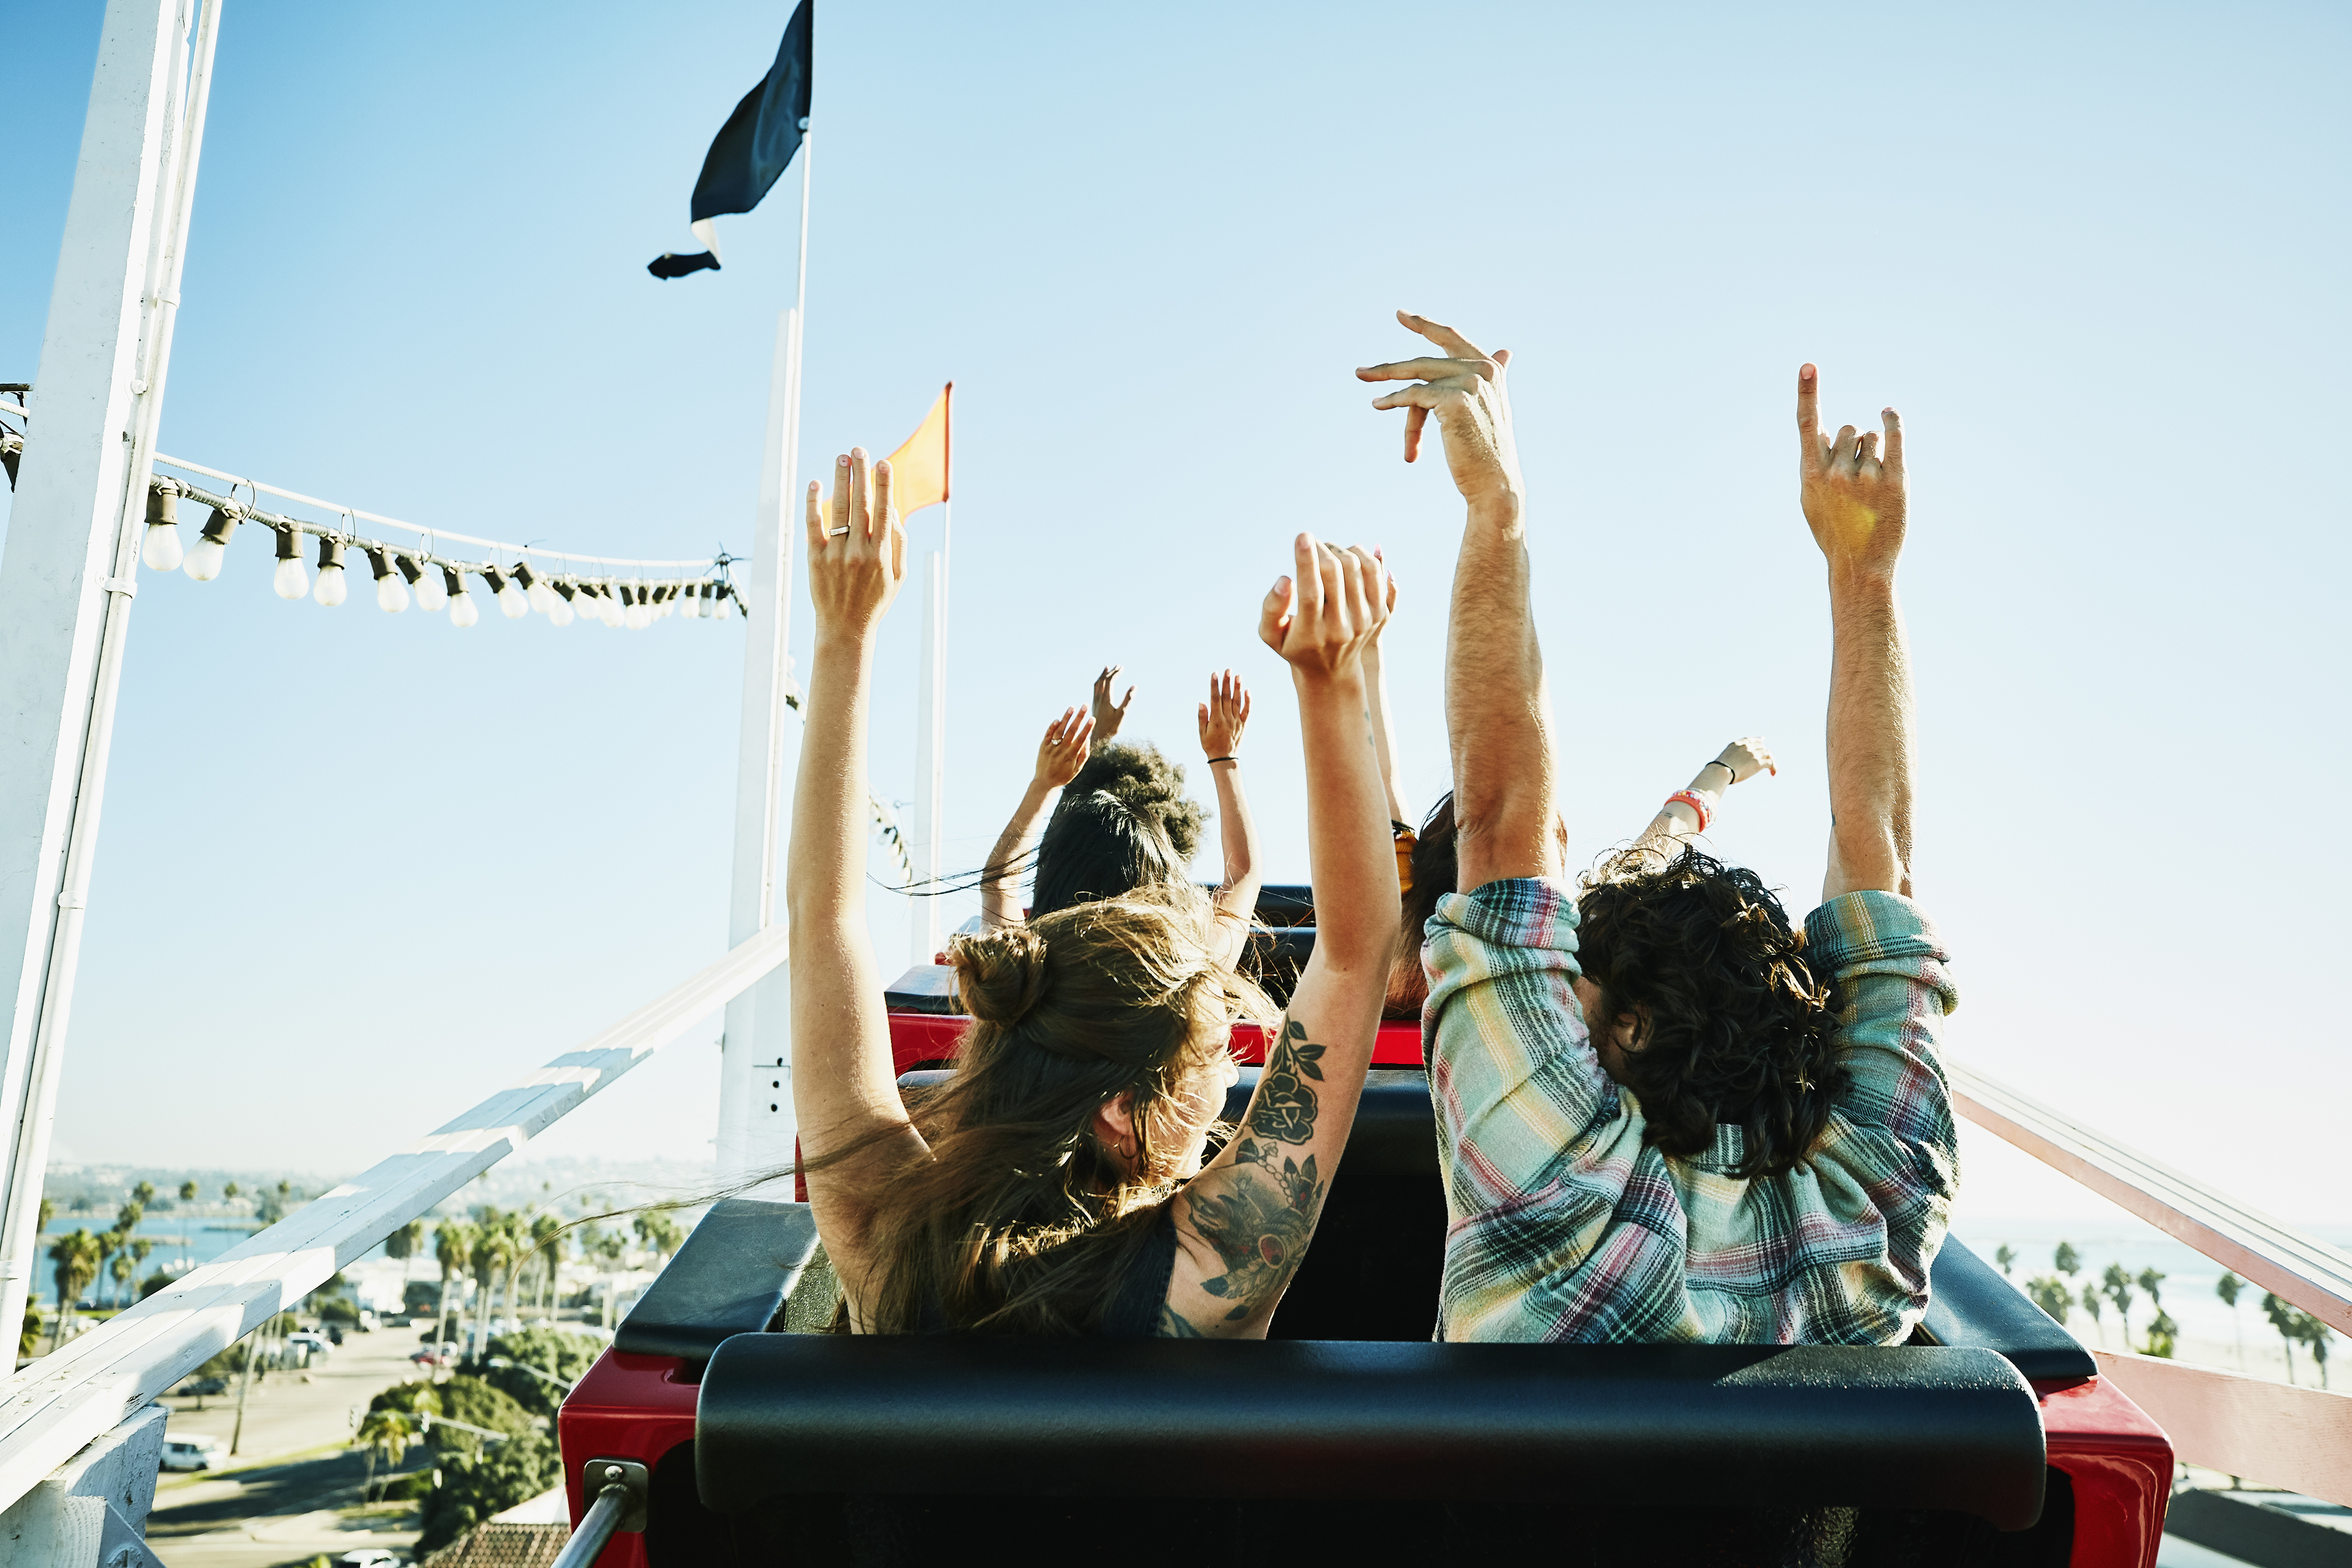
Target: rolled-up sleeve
{"x": 1891, "y": 1144}
{"x": 1536, "y": 1144}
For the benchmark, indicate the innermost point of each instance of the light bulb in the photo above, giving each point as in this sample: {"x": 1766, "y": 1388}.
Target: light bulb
{"x": 559, "y": 604}
{"x": 292, "y": 581}
{"x": 509, "y": 597}
{"x": 669, "y": 601}
{"x": 463, "y": 611}
{"x": 161, "y": 550}
{"x": 725, "y": 609}
{"x": 689, "y": 603}
{"x": 536, "y": 589}
{"x": 332, "y": 590}
{"x": 431, "y": 583}
{"x": 391, "y": 589}
{"x": 638, "y": 616}
{"x": 203, "y": 562}
{"x": 609, "y": 607}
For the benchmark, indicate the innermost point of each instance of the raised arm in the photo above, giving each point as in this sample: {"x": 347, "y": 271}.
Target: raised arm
{"x": 1678, "y": 820}
{"x": 845, "y": 1093}
{"x": 1376, "y": 703}
{"x": 1854, "y": 502}
{"x": 1059, "y": 756}
{"x": 1223, "y": 719}
{"x": 1497, "y": 712}
{"x": 1108, "y": 715}
{"x": 1244, "y": 1223}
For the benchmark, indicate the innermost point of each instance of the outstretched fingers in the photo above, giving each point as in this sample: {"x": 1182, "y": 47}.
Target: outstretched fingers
{"x": 815, "y": 522}
{"x": 1894, "y": 423}
{"x": 1812, "y": 452}
{"x": 1444, "y": 336}
{"x": 1274, "y": 615}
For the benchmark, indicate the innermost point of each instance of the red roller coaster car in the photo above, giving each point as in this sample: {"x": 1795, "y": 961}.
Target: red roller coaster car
{"x": 1990, "y": 1439}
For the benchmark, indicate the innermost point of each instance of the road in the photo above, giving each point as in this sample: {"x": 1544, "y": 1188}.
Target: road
{"x": 279, "y": 1499}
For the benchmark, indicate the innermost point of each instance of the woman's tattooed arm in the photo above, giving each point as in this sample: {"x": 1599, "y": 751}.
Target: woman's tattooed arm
{"x": 1255, "y": 1208}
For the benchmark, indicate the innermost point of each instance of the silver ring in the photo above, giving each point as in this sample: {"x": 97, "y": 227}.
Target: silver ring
{"x": 836, "y": 533}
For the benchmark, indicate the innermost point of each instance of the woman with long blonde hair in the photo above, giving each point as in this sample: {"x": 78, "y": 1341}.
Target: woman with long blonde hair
{"x": 1058, "y": 1183}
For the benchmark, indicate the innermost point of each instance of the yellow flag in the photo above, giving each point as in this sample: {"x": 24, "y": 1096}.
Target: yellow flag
{"x": 918, "y": 469}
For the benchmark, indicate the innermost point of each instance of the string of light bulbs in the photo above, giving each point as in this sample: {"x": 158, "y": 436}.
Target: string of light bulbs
{"x": 433, "y": 579}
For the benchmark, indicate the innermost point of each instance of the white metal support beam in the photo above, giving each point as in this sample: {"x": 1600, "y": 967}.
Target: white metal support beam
{"x": 69, "y": 574}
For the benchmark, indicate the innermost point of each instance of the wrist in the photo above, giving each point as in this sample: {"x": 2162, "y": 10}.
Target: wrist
{"x": 842, "y": 642}
{"x": 1343, "y": 684}
{"x": 1862, "y": 579}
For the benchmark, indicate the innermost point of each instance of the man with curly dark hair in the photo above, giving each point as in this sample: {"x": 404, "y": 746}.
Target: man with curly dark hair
{"x": 1664, "y": 1112}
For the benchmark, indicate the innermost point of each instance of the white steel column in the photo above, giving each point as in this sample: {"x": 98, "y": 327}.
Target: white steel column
{"x": 923, "y": 933}
{"x": 73, "y": 553}
{"x": 756, "y": 1125}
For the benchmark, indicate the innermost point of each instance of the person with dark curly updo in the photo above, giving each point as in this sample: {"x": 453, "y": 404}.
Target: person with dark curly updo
{"x": 1665, "y": 1112}
{"x": 1124, "y": 822}
{"x": 1059, "y": 1183}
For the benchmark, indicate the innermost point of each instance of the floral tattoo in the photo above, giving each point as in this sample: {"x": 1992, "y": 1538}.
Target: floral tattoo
{"x": 1261, "y": 1218}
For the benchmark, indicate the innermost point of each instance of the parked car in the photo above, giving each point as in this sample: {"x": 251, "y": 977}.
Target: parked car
{"x": 437, "y": 1355}
{"x": 201, "y": 1387}
{"x": 368, "y": 1557}
{"x": 310, "y": 1340}
{"x": 194, "y": 1453}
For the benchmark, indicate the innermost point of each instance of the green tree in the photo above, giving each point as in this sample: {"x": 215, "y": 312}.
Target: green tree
{"x": 549, "y": 1240}
{"x": 2162, "y": 1334}
{"x": 2315, "y": 1334}
{"x": 493, "y": 1244}
{"x": 2090, "y": 1304}
{"x": 2005, "y": 1255}
{"x": 404, "y": 1246}
{"x": 552, "y": 1351}
{"x": 106, "y": 1241}
{"x": 2151, "y": 1281}
{"x": 475, "y": 1486}
{"x": 125, "y": 1267}
{"x": 2066, "y": 1261}
{"x": 2052, "y": 1294}
{"x": 2119, "y": 1291}
{"x": 229, "y": 1192}
{"x": 660, "y": 1234}
{"x": 28, "y": 1338}
{"x": 386, "y": 1435}
{"x": 2227, "y": 1287}
{"x": 188, "y": 1190}
{"x": 48, "y": 1212}
{"x": 2283, "y": 1318}
{"x": 74, "y": 1259}
{"x": 453, "y": 1241}
{"x": 158, "y": 1281}
{"x": 144, "y": 1194}
{"x": 477, "y": 1403}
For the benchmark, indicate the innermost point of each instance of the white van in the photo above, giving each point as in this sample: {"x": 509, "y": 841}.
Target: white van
{"x": 194, "y": 1453}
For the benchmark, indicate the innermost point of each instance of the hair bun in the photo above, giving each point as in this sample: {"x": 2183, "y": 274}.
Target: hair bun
{"x": 1000, "y": 974}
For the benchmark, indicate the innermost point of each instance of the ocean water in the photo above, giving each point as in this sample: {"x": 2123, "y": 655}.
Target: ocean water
{"x": 179, "y": 1238}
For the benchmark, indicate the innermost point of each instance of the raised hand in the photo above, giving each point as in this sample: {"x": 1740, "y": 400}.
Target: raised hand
{"x": 1747, "y": 757}
{"x": 1852, "y": 495}
{"x": 1465, "y": 389}
{"x": 1064, "y": 750}
{"x": 1321, "y": 620}
{"x": 856, "y": 549}
{"x": 1109, "y": 716}
{"x": 1223, "y": 715}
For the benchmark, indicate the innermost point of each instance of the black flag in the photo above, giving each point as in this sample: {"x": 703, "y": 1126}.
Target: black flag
{"x": 752, "y": 148}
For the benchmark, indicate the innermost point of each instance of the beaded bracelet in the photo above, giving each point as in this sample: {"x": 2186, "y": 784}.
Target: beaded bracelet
{"x": 1698, "y": 806}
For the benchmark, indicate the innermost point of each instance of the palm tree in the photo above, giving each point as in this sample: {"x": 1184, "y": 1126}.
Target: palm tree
{"x": 2052, "y": 1294}
{"x": 188, "y": 1190}
{"x": 229, "y": 1193}
{"x": 2315, "y": 1334}
{"x": 452, "y": 1240}
{"x": 76, "y": 1258}
{"x": 2227, "y": 1287}
{"x": 493, "y": 1245}
{"x": 144, "y": 1194}
{"x": 2283, "y": 1318}
{"x": 2091, "y": 1305}
{"x": 2066, "y": 1260}
{"x": 105, "y": 1241}
{"x": 386, "y": 1433}
{"x": 2005, "y": 1256}
{"x": 552, "y": 1240}
{"x": 2119, "y": 1291}
{"x": 124, "y": 1269}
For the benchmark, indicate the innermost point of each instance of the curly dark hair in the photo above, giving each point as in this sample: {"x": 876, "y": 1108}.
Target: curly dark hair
{"x": 1740, "y": 1029}
{"x": 1123, "y": 824}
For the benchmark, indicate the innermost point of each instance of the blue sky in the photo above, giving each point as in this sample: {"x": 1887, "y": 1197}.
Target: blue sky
{"x": 358, "y": 869}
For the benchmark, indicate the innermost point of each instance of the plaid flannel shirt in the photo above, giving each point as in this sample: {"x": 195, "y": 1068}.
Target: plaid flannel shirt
{"x": 1563, "y": 1226}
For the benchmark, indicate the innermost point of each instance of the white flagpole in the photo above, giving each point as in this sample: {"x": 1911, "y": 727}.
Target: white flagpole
{"x": 756, "y": 1124}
